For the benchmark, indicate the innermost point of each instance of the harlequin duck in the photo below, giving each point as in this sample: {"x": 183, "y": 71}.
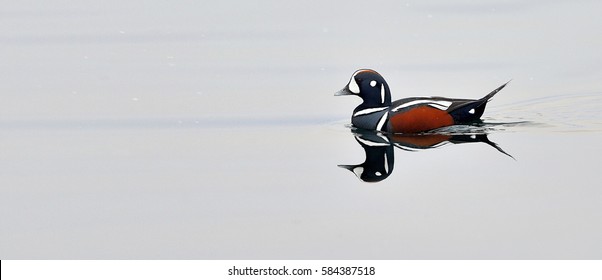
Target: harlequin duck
{"x": 408, "y": 115}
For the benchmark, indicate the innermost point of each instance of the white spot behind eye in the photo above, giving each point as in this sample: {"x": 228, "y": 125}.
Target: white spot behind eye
{"x": 378, "y": 173}
{"x": 471, "y": 111}
{"x": 373, "y": 83}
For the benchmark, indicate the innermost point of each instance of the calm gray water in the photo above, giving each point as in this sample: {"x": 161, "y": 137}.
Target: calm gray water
{"x": 202, "y": 130}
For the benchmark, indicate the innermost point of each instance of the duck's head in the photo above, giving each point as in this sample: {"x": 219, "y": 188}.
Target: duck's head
{"x": 370, "y": 86}
{"x": 379, "y": 156}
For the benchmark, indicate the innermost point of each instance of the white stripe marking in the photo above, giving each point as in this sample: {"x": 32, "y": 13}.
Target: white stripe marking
{"x": 382, "y": 93}
{"x": 443, "y": 104}
{"x": 382, "y": 137}
{"x": 386, "y": 165}
{"x": 370, "y": 143}
{"x": 379, "y": 127}
{"x": 406, "y": 148}
{"x": 358, "y": 171}
{"x": 369, "y": 111}
{"x": 438, "y": 106}
{"x": 353, "y": 87}
{"x": 414, "y": 149}
{"x": 440, "y": 144}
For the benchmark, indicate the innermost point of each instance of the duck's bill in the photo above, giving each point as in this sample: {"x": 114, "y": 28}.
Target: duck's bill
{"x": 348, "y": 167}
{"x": 344, "y": 91}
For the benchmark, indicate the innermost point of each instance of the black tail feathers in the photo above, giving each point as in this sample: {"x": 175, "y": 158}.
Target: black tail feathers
{"x": 491, "y": 94}
{"x": 473, "y": 110}
{"x": 457, "y": 139}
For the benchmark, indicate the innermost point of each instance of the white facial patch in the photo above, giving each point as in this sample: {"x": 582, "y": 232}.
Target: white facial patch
{"x": 358, "y": 171}
{"x": 353, "y": 87}
{"x": 373, "y": 83}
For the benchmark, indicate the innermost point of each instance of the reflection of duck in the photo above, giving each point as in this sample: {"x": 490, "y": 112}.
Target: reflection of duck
{"x": 380, "y": 152}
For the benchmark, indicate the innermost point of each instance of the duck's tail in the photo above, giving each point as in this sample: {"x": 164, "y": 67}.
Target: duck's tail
{"x": 473, "y": 110}
{"x": 491, "y": 94}
{"x": 457, "y": 139}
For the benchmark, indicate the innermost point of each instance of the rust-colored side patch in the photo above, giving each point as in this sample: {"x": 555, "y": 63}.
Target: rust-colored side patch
{"x": 419, "y": 119}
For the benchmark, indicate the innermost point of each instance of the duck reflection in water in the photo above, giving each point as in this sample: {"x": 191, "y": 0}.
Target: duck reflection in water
{"x": 379, "y": 149}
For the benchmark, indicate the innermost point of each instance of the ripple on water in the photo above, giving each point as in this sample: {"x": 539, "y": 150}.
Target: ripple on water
{"x": 561, "y": 113}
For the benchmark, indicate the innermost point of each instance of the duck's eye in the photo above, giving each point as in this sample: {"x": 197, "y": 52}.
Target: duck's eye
{"x": 373, "y": 83}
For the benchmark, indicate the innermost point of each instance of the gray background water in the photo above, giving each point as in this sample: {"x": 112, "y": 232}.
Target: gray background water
{"x": 190, "y": 129}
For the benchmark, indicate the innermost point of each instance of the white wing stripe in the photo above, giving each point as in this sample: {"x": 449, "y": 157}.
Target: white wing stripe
{"x": 442, "y": 105}
{"x": 438, "y": 106}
